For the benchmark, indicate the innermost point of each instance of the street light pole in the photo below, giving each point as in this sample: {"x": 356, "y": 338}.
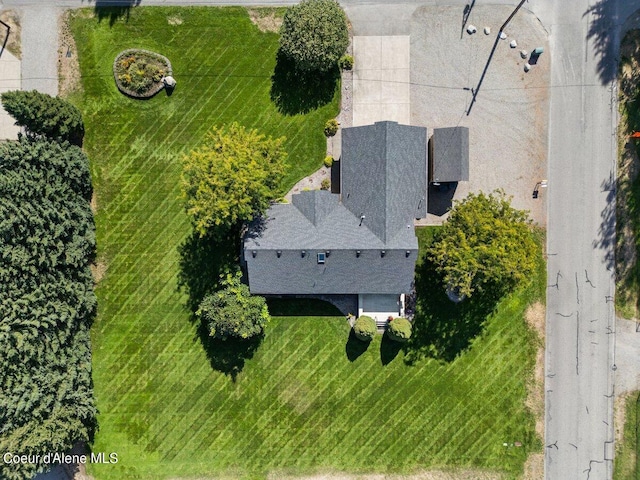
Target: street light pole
{"x": 511, "y": 16}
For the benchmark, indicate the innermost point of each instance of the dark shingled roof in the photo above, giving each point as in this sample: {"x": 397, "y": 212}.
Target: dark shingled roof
{"x": 384, "y": 167}
{"x": 450, "y": 159}
{"x": 384, "y": 175}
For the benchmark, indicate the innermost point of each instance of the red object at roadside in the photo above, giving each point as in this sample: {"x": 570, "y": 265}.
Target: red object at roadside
{"x": 635, "y": 135}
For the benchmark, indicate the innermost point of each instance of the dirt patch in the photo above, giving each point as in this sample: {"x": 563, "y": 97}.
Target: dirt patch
{"x": 534, "y": 467}
{"x": 427, "y": 475}
{"x": 98, "y": 270}
{"x": 174, "y": 20}
{"x": 68, "y": 66}
{"x": 535, "y": 318}
{"x": 266, "y": 19}
{"x": 11, "y": 18}
{"x": 620, "y": 416}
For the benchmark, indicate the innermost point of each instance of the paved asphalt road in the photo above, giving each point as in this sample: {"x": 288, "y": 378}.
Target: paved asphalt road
{"x": 580, "y": 359}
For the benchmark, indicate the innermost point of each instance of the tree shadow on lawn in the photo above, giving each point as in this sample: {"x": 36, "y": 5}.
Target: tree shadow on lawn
{"x": 354, "y": 347}
{"x": 203, "y": 260}
{"x": 113, "y": 10}
{"x": 389, "y": 349}
{"x": 442, "y": 329}
{"x": 228, "y": 356}
{"x": 294, "y": 92}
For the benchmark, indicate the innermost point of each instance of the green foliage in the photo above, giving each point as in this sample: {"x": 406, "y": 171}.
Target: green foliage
{"x": 365, "y": 328}
{"x": 485, "y": 244}
{"x": 325, "y": 184}
{"x": 139, "y": 71}
{"x": 346, "y": 62}
{"x": 233, "y": 311}
{"x": 47, "y": 241}
{"x": 399, "y": 329}
{"x": 331, "y": 127}
{"x": 627, "y": 459}
{"x": 231, "y": 177}
{"x": 314, "y": 34}
{"x": 42, "y": 114}
{"x": 328, "y": 161}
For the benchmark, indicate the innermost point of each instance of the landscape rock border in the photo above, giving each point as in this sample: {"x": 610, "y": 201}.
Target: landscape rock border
{"x": 155, "y": 88}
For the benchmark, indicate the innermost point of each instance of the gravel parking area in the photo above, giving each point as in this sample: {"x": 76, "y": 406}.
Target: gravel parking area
{"x": 508, "y": 121}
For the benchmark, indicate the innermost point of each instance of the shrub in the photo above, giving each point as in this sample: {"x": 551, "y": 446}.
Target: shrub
{"x": 365, "y": 328}
{"x": 325, "y": 184}
{"x": 314, "y": 34}
{"x": 331, "y": 127}
{"x": 328, "y": 161}
{"x": 346, "y": 62}
{"x": 42, "y": 114}
{"x": 399, "y": 329}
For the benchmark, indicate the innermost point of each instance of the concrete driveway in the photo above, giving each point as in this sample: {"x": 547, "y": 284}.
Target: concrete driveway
{"x": 9, "y": 80}
{"x": 381, "y": 79}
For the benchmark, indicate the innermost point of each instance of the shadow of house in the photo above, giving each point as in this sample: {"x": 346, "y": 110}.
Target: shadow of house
{"x": 294, "y": 91}
{"x": 114, "y": 9}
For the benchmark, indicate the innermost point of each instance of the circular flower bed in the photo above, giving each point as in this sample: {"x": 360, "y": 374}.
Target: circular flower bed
{"x": 139, "y": 73}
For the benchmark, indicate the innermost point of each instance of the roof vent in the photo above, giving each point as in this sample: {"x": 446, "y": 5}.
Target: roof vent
{"x": 362, "y": 217}
{"x": 357, "y": 253}
{"x": 303, "y": 253}
{"x": 254, "y": 253}
{"x": 383, "y": 253}
{"x": 279, "y": 253}
{"x": 407, "y": 253}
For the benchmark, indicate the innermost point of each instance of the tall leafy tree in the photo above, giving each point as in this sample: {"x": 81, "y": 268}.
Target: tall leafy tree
{"x": 233, "y": 311}
{"x": 485, "y": 244}
{"x": 314, "y": 34}
{"x": 231, "y": 177}
{"x": 42, "y": 114}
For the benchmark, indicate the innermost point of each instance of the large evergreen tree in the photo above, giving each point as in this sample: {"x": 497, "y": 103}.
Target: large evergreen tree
{"x": 42, "y": 114}
{"x": 47, "y": 303}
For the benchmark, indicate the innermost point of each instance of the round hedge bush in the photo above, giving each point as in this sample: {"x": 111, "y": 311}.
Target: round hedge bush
{"x": 365, "y": 328}
{"x": 328, "y": 161}
{"x": 139, "y": 73}
{"x": 331, "y": 127}
{"x": 399, "y": 329}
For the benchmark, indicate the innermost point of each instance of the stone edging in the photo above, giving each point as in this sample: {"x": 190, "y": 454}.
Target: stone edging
{"x": 155, "y": 88}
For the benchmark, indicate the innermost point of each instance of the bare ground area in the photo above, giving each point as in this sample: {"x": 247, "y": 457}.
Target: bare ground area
{"x": 11, "y": 18}
{"x": 508, "y": 122}
{"x": 266, "y": 19}
{"x": 68, "y": 67}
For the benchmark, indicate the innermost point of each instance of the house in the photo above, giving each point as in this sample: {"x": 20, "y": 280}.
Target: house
{"x": 361, "y": 241}
{"x": 449, "y": 152}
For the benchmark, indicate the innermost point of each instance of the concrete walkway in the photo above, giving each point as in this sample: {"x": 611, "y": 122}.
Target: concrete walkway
{"x": 627, "y": 356}
{"x": 9, "y": 80}
{"x": 40, "y": 48}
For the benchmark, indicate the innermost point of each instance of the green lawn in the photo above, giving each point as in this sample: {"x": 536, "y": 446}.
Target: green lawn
{"x": 627, "y": 458}
{"x": 307, "y": 398}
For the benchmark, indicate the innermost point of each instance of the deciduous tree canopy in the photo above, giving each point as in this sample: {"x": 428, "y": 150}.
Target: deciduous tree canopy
{"x": 485, "y": 243}
{"x": 47, "y": 304}
{"x": 42, "y": 114}
{"x": 233, "y": 311}
{"x": 231, "y": 177}
{"x": 314, "y": 34}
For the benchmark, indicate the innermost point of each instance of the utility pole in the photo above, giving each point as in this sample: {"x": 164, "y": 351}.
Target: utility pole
{"x": 504, "y": 25}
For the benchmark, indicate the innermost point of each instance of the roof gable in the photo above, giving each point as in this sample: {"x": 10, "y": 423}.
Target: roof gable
{"x": 384, "y": 175}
